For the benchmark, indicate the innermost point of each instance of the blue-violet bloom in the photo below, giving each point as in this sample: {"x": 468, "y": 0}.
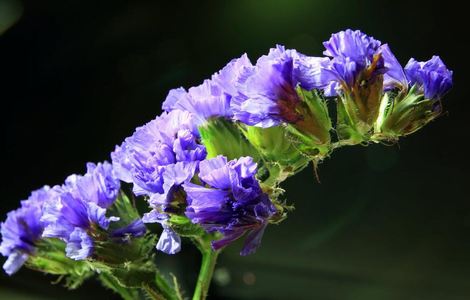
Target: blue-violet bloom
{"x": 230, "y": 202}
{"x": 22, "y": 229}
{"x": 432, "y": 77}
{"x": 99, "y": 185}
{"x": 354, "y": 56}
{"x": 267, "y": 93}
{"x": 74, "y": 213}
{"x": 212, "y": 98}
{"x": 143, "y": 158}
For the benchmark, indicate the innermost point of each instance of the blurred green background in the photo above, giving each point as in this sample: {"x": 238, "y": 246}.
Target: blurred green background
{"x": 384, "y": 223}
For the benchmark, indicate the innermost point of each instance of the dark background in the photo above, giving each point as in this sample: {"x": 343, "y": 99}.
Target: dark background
{"x": 76, "y": 78}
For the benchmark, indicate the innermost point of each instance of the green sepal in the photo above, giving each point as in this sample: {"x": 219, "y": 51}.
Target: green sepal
{"x": 358, "y": 109}
{"x": 280, "y": 158}
{"x": 124, "y": 209}
{"x": 131, "y": 279}
{"x": 131, "y": 275}
{"x": 184, "y": 227}
{"x": 349, "y": 129}
{"x": 404, "y": 114}
{"x": 222, "y": 137}
{"x": 311, "y": 134}
{"x": 50, "y": 258}
{"x": 132, "y": 267}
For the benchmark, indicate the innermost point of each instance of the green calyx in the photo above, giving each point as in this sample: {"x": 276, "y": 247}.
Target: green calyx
{"x": 357, "y": 111}
{"x": 279, "y": 157}
{"x": 311, "y": 134}
{"x": 223, "y": 137}
{"x": 404, "y": 113}
{"x": 50, "y": 258}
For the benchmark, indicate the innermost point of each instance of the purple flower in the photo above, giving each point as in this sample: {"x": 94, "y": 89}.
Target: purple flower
{"x": 232, "y": 74}
{"x": 157, "y": 159}
{"x": 355, "y": 45}
{"x": 22, "y": 229}
{"x": 98, "y": 185}
{"x": 212, "y": 98}
{"x": 432, "y": 77}
{"x": 311, "y": 72}
{"x": 267, "y": 93}
{"x": 186, "y": 147}
{"x": 143, "y": 158}
{"x": 70, "y": 218}
{"x": 170, "y": 241}
{"x": 162, "y": 204}
{"x": 204, "y": 101}
{"x": 174, "y": 176}
{"x": 148, "y": 166}
{"x": 173, "y": 97}
{"x": 354, "y": 57}
{"x": 230, "y": 202}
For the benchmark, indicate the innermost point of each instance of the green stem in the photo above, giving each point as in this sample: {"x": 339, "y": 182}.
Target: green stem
{"x": 168, "y": 292}
{"x": 209, "y": 259}
{"x": 151, "y": 293}
{"x": 110, "y": 282}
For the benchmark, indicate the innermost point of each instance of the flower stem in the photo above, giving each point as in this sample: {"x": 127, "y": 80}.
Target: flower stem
{"x": 209, "y": 259}
{"x": 112, "y": 283}
{"x": 151, "y": 293}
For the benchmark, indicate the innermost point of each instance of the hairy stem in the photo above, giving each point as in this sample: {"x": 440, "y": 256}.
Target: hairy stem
{"x": 112, "y": 283}
{"x": 209, "y": 259}
{"x": 151, "y": 293}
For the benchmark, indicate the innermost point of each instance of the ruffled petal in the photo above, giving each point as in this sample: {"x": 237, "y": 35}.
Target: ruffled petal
{"x": 169, "y": 242}
{"x": 14, "y": 262}
{"x": 79, "y": 245}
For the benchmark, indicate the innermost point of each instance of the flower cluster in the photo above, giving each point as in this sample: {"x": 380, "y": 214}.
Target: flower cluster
{"x": 157, "y": 159}
{"x": 215, "y": 157}
{"x": 74, "y": 212}
{"x": 78, "y": 210}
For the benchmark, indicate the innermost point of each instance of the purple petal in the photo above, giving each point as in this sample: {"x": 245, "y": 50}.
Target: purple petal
{"x": 174, "y": 96}
{"x": 58, "y": 230}
{"x": 353, "y": 44}
{"x": 99, "y": 184}
{"x": 229, "y": 76}
{"x": 253, "y": 240}
{"x": 154, "y": 217}
{"x": 215, "y": 172}
{"x": 97, "y": 215}
{"x": 394, "y": 76}
{"x": 14, "y": 262}
{"x": 432, "y": 76}
{"x": 227, "y": 239}
{"x": 312, "y": 73}
{"x": 201, "y": 198}
{"x": 270, "y": 86}
{"x": 205, "y": 101}
{"x": 79, "y": 245}
{"x": 135, "y": 229}
{"x": 121, "y": 163}
{"x": 169, "y": 242}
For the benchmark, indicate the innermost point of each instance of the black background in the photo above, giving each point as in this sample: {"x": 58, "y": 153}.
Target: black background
{"x": 76, "y": 78}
